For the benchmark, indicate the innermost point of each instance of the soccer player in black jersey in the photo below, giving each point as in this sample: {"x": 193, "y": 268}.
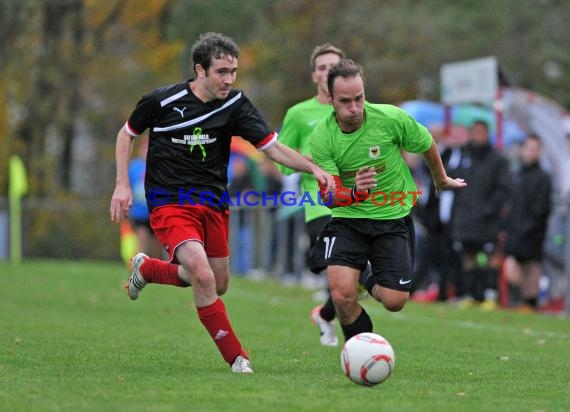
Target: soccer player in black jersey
{"x": 190, "y": 128}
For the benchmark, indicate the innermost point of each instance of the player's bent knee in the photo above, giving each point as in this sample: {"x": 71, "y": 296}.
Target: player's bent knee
{"x": 394, "y": 306}
{"x": 395, "y": 302}
{"x": 392, "y": 300}
{"x": 376, "y": 293}
{"x": 201, "y": 277}
{"x": 221, "y": 289}
{"x": 343, "y": 298}
{"x": 204, "y": 283}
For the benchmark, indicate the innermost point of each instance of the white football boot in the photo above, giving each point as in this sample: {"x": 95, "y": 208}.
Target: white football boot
{"x": 241, "y": 365}
{"x": 136, "y": 282}
{"x": 326, "y": 329}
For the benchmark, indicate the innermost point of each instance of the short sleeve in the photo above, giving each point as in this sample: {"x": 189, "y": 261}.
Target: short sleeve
{"x": 320, "y": 150}
{"x": 415, "y": 137}
{"x": 252, "y": 127}
{"x": 144, "y": 116}
{"x": 289, "y": 136}
{"x": 289, "y": 133}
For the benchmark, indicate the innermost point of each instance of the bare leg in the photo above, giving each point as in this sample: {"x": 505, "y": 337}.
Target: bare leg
{"x": 513, "y": 271}
{"x": 514, "y": 277}
{"x": 343, "y": 282}
{"x": 197, "y": 270}
{"x": 352, "y": 317}
{"x": 221, "y": 269}
{"x": 530, "y": 280}
{"x": 393, "y": 300}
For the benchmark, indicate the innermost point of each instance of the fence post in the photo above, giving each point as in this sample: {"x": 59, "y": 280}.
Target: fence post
{"x": 567, "y": 254}
{"x": 18, "y": 186}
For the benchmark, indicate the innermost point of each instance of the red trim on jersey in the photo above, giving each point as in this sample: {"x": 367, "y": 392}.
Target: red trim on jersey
{"x": 130, "y": 130}
{"x": 267, "y": 141}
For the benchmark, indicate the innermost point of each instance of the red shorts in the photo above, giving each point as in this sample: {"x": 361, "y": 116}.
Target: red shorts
{"x": 174, "y": 225}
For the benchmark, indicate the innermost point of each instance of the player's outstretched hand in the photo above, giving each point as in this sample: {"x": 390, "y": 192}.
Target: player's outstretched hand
{"x": 325, "y": 178}
{"x": 450, "y": 184}
{"x": 121, "y": 203}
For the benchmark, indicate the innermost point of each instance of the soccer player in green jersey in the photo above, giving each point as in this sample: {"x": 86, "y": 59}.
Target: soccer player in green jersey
{"x": 360, "y": 144}
{"x": 298, "y": 124}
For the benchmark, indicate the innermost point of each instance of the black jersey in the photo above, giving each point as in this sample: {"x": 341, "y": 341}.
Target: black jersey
{"x": 189, "y": 144}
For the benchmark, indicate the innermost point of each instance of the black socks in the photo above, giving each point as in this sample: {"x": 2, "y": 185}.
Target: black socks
{"x": 328, "y": 312}
{"x": 361, "y": 324}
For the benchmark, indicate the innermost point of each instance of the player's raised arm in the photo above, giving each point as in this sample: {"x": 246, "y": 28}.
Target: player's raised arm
{"x": 438, "y": 174}
{"x": 290, "y": 158}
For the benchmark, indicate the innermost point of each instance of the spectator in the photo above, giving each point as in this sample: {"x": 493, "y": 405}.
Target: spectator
{"x": 242, "y": 182}
{"x": 138, "y": 215}
{"x": 527, "y": 224}
{"x": 289, "y": 218}
{"x": 272, "y": 182}
{"x": 476, "y": 218}
{"x": 436, "y": 260}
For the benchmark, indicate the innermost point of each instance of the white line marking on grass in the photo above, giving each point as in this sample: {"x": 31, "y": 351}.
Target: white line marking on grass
{"x": 468, "y": 324}
{"x": 465, "y": 324}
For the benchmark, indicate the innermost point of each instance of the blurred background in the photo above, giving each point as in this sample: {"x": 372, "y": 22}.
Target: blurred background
{"x": 71, "y": 71}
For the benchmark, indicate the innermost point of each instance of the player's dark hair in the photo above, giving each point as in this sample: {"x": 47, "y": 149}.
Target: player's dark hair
{"x": 211, "y": 46}
{"x": 324, "y": 49}
{"x": 345, "y": 68}
{"x": 534, "y": 136}
{"x": 482, "y": 123}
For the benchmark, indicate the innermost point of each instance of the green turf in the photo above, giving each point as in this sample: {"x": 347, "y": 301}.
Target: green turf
{"x": 70, "y": 340}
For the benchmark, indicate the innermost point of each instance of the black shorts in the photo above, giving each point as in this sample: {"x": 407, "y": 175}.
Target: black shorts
{"x": 525, "y": 249}
{"x": 389, "y": 245}
{"x": 314, "y": 227}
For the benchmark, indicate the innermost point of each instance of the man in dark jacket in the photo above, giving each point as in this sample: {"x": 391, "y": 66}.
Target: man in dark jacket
{"x": 436, "y": 263}
{"x": 476, "y": 218}
{"x": 527, "y": 224}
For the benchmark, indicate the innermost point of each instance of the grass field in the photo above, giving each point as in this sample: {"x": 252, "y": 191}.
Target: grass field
{"x": 72, "y": 341}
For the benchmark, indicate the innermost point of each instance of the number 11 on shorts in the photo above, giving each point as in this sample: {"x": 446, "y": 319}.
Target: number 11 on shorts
{"x": 329, "y": 243}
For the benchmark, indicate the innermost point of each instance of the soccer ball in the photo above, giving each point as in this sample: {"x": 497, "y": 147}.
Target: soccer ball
{"x": 367, "y": 359}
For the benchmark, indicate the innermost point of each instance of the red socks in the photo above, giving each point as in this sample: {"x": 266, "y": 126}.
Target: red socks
{"x": 215, "y": 318}
{"x": 159, "y": 271}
